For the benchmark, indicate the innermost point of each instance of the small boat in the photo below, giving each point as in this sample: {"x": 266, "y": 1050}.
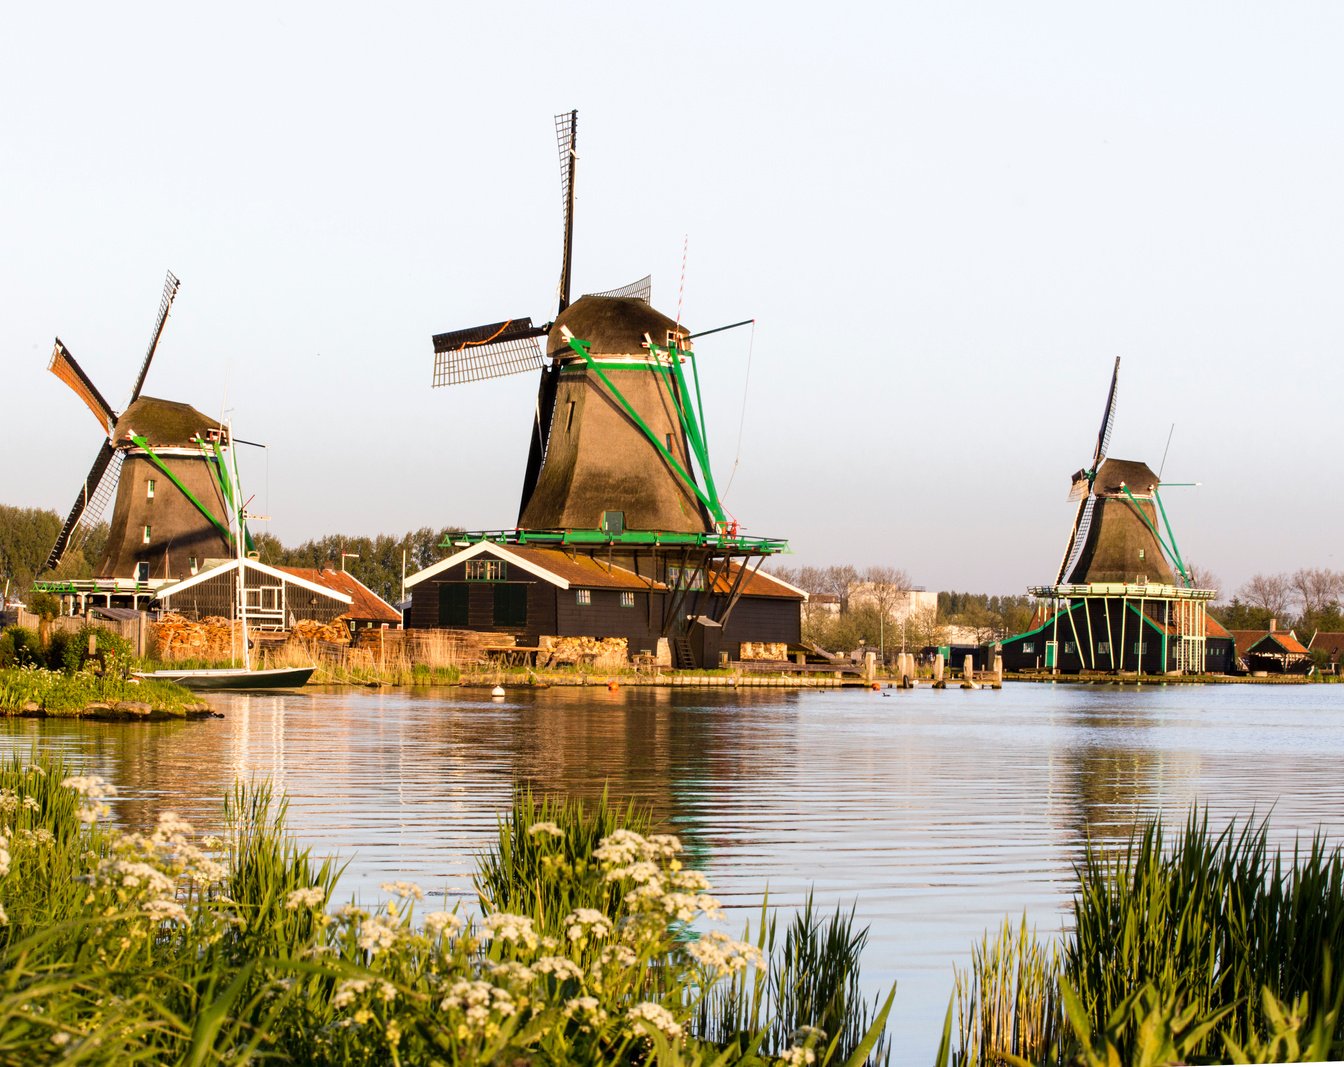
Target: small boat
{"x": 235, "y": 678}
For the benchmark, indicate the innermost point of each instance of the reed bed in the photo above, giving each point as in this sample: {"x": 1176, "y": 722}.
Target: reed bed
{"x": 1214, "y": 948}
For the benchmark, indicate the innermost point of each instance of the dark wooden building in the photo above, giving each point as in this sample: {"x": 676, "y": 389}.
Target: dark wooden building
{"x": 367, "y": 610}
{"x": 532, "y": 592}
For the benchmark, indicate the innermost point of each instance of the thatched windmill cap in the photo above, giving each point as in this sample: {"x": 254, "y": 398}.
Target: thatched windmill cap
{"x": 1137, "y": 477}
{"x": 163, "y": 423}
{"x": 612, "y": 326}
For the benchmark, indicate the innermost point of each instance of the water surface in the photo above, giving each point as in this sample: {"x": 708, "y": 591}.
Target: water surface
{"x": 937, "y": 813}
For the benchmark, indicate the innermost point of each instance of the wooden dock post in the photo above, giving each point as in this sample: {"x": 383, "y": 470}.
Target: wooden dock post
{"x": 870, "y": 667}
{"x": 998, "y": 672}
{"x": 968, "y": 673}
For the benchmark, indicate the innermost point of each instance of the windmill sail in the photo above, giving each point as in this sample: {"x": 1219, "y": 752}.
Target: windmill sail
{"x": 566, "y": 138}
{"x": 170, "y": 285}
{"x": 492, "y": 351}
{"x": 106, "y": 463}
{"x": 642, "y": 289}
{"x": 1082, "y": 524}
{"x": 1081, "y": 487}
{"x": 63, "y": 365}
{"x": 1107, "y": 421}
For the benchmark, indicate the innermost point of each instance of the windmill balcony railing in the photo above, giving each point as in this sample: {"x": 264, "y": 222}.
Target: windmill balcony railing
{"x": 727, "y": 541}
{"x": 1148, "y": 590}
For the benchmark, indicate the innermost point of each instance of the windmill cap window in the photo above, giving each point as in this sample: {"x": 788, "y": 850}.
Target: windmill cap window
{"x": 613, "y": 522}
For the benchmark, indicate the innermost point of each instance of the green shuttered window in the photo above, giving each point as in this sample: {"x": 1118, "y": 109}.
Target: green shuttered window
{"x": 453, "y": 603}
{"x": 511, "y": 605}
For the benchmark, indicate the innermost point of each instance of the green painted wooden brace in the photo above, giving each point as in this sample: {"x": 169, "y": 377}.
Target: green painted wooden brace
{"x": 141, "y": 443}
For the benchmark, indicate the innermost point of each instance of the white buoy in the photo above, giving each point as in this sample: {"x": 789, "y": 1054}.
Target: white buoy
{"x": 497, "y": 691}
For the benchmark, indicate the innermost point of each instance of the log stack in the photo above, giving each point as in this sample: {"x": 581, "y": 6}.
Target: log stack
{"x": 213, "y": 638}
{"x": 334, "y": 632}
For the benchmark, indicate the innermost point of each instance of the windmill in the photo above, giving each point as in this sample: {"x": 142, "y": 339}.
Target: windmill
{"x": 615, "y": 437}
{"x": 1115, "y": 535}
{"x": 163, "y": 462}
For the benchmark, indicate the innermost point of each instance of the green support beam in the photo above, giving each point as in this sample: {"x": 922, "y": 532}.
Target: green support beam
{"x": 141, "y": 443}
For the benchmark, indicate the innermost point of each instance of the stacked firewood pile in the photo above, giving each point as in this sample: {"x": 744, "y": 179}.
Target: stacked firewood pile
{"x": 334, "y": 632}
{"x": 773, "y": 650}
{"x": 600, "y": 652}
{"x": 175, "y": 638}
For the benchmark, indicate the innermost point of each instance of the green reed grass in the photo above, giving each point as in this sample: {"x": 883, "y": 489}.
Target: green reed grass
{"x": 159, "y": 947}
{"x": 1205, "y": 947}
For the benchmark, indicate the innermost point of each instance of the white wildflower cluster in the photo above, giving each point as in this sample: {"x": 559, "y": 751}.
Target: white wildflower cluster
{"x": 585, "y": 922}
{"x": 505, "y": 926}
{"x": 545, "y": 828}
{"x": 313, "y": 897}
{"x": 167, "y": 910}
{"x": 719, "y": 952}
{"x": 132, "y": 874}
{"x": 586, "y": 1011}
{"x": 436, "y": 922}
{"x": 39, "y": 838}
{"x": 483, "y": 1005}
{"x": 798, "y": 1056}
{"x": 512, "y": 972}
{"x": 4, "y": 852}
{"x": 353, "y": 988}
{"x": 404, "y": 890}
{"x": 94, "y": 789}
{"x": 624, "y": 847}
{"x": 377, "y": 933}
{"x": 561, "y": 968}
{"x": 647, "y": 1017}
{"x": 662, "y": 887}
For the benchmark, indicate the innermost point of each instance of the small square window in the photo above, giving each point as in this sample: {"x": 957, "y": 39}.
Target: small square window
{"x": 146, "y": 535}
{"x": 1141, "y": 551}
{"x": 1140, "y": 647}
{"x": 583, "y": 596}
{"x": 1103, "y": 646}
{"x": 627, "y": 600}
{"x": 1028, "y": 646}
{"x": 149, "y": 488}
{"x": 1070, "y": 647}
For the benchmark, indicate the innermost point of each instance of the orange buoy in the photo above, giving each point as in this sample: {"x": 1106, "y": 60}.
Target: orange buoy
{"x": 877, "y": 685}
{"x": 611, "y": 687}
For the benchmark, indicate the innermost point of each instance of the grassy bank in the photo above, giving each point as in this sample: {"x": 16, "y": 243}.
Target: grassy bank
{"x": 34, "y": 690}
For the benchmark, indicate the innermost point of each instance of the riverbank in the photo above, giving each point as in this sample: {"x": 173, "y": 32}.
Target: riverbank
{"x": 31, "y": 692}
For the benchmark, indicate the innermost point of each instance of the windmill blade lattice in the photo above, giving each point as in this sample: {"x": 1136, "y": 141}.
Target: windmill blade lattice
{"x": 481, "y": 352}
{"x": 642, "y": 289}
{"x": 63, "y": 365}
{"x": 99, "y": 484}
{"x": 1084, "y": 524}
{"x": 566, "y": 138}
{"x": 170, "y": 285}
{"x": 1107, "y": 420}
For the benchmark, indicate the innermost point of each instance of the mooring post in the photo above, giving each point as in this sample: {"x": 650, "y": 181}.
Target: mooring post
{"x": 938, "y": 681}
{"x": 870, "y": 666}
{"x": 998, "y": 672}
{"x": 968, "y": 673}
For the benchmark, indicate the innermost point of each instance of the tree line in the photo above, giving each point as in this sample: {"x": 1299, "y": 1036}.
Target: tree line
{"x": 1305, "y": 600}
{"x": 873, "y": 608}
{"x": 26, "y": 537}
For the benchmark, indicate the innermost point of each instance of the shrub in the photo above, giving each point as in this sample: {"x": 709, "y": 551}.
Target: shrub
{"x": 19, "y": 647}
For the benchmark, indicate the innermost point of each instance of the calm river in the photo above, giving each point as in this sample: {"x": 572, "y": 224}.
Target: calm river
{"x": 936, "y": 812}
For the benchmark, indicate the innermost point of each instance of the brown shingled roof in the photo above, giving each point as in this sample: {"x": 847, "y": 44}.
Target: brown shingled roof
{"x": 758, "y": 584}
{"x": 1214, "y": 628}
{"x": 582, "y": 570}
{"x": 365, "y": 604}
{"x": 1329, "y": 642}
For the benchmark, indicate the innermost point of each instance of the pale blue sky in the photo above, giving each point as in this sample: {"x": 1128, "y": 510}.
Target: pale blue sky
{"x": 948, "y": 219}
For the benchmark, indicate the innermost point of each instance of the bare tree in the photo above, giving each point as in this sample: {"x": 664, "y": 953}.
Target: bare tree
{"x": 1273, "y": 592}
{"x": 838, "y": 580}
{"x": 812, "y": 581}
{"x": 1202, "y": 577}
{"x": 885, "y": 588}
{"x": 923, "y": 628}
{"x": 1316, "y": 588}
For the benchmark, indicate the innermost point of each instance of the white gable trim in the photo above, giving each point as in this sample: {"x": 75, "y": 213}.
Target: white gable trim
{"x": 477, "y": 549}
{"x": 232, "y": 565}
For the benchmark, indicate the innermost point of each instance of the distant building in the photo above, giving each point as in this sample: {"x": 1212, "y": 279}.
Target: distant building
{"x": 906, "y": 602}
{"x": 1329, "y": 643}
{"x": 1274, "y": 651}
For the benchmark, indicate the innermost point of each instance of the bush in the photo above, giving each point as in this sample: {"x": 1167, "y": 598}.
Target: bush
{"x": 19, "y": 647}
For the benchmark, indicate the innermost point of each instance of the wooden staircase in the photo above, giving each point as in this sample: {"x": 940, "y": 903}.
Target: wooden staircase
{"x": 682, "y": 659}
